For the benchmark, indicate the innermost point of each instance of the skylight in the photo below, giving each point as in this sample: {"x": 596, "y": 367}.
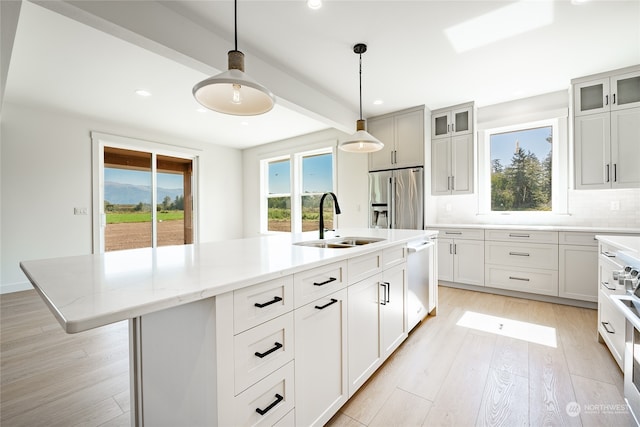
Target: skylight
{"x": 500, "y": 24}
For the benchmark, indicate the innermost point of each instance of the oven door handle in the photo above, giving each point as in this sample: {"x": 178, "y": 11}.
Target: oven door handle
{"x": 606, "y": 326}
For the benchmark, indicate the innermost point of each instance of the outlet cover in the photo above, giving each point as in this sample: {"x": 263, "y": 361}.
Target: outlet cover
{"x": 80, "y": 211}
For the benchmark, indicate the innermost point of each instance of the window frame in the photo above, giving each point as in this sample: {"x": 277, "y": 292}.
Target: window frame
{"x": 296, "y": 177}
{"x": 559, "y": 168}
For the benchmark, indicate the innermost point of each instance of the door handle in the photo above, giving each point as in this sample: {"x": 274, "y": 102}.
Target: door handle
{"x": 607, "y": 179}
{"x": 615, "y": 172}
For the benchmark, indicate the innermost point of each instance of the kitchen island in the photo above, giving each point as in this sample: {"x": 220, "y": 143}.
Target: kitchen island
{"x": 212, "y": 336}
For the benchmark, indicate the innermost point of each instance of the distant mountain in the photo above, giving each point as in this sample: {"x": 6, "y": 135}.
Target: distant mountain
{"x": 127, "y": 194}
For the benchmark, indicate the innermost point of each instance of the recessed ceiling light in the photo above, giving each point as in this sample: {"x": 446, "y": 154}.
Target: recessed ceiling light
{"x": 314, "y": 4}
{"x": 143, "y": 92}
{"x": 378, "y": 102}
{"x": 244, "y": 123}
{"x": 201, "y": 110}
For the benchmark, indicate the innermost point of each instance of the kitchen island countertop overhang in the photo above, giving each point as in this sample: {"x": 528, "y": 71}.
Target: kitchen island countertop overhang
{"x": 89, "y": 291}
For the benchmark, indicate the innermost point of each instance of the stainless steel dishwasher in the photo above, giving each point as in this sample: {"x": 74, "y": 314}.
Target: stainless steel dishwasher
{"x": 421, "y": 275}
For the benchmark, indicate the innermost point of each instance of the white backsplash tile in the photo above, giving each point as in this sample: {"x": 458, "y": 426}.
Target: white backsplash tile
{"x": 587, "y": 208}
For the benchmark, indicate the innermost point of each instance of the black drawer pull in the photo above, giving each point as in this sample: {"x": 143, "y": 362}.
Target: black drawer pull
{"x": 604, "y": 325}
{"x": 606, "y": 285}
{"x": 518, "y": 253}
{"x": 331, "y": 279}
{"x": 453, "y": 232}
{"x": 273, "y": 301}
{"x": 276, "y": 346}
{"x": 518, "y": 235}
{"x": 270, "y": 407}
{"x": 524, "y": 279}
{"x": 322, "y": 307}
{"x": 608, "y": 254}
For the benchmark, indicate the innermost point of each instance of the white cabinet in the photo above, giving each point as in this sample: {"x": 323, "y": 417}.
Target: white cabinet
{"x": 452, "y": 151}
{"x": 452, "y": 121}
{"x": 461, "y": 256}
{"x": 611, "y": 322}
{"x": 607, "y": 130}
{"x": 364, "y": 338}
{"x": 617, "y": 90}
{"x": 377, "y": 317}
{"x": 393, "y": 325}
{"x": 402, "y": 134}
{"x": 578, "y": 266}
{"x": 525, "y": 261}
{"x": 321, "y": 359}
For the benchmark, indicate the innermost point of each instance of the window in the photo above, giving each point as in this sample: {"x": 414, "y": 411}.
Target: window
{"x": 293, "y": 186}
{"x": 521, "y": 169}
{"x": 317, "y": 179}
{"x": 279, "y": 195}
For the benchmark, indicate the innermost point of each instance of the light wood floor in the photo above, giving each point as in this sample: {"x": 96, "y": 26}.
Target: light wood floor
{"x": 444, "y": 374}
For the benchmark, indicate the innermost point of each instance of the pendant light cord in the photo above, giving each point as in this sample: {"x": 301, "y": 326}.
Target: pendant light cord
{"x": 235, "y": 23}
{"x": 360, "y": 86}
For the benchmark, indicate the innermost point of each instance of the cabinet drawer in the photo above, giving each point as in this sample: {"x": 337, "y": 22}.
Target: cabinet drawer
{"x": 259, "y": 303}
{"x": 611, "y": 327}
{"x": 318, "y": 282}
{"x": 520, "y": 255}
{"x": 364, "y": 266}
{"x": 273, "y": 397}
{"x": 263, "y": 349}
{"x": 461, "y": 233}
{"x": 577, "y": 238}
{"x": 394, "y": 255}
{"x": 522, "y": 279}
{"x": 531, "y": 236}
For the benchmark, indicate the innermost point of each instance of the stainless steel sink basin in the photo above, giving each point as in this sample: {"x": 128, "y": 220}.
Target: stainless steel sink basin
{"x": 339, "y": 242}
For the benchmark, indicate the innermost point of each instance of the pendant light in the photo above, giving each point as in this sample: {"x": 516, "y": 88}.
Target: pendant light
{"x": 234, "y": 92}
{"x": 361, "y": 141}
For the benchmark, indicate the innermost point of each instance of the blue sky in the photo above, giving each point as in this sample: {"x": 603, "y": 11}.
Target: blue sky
{"x": 134, "y": 177}
{"x": 535, "y": 140}
{"x": 317, "y": 175}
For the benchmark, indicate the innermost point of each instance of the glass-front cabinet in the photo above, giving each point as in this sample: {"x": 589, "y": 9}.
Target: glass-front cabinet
{"x": 608, "y": 93}
{"x": 451, "y": 123}
{"x": 606, "y": 129}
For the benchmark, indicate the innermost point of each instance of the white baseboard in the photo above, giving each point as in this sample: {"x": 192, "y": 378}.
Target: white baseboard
{"x": 15, "y": 287}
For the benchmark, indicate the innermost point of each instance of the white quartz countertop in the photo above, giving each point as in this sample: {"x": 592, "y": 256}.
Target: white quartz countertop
{"x": 538, "y": 228}
{"x": 88, "y": 291}
{"x": 628, "y": 247}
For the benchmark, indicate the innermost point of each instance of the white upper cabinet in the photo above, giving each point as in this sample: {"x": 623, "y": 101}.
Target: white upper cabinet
{"x": 457, "y": 121}
{"x": 402, "y": 134}
{"x": 607, "y": 130}
{"x": 452, "y": 150}
{"x": 609, "y": 93}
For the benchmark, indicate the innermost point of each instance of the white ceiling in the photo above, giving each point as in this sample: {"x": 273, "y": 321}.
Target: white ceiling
{"x": 57, "y": 61}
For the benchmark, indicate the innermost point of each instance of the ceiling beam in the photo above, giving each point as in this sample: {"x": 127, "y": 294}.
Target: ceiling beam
{"x": 146, "y": 24}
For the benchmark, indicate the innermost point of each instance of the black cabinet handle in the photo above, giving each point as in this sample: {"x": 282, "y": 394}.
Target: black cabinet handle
{"x": 322, "y": 307}
{"x": 270, "y": 407}
{"x": 606, "y": 328}
{"x": 276, "y": 346}
{"x": 385, "y": 297}
{"x": 518, "y": 254}
{"x": 273, "y": 301}
{"x": 331, "y": 279}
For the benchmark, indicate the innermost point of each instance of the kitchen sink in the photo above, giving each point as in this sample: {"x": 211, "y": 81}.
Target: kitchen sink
{"x": 339, "y": 242}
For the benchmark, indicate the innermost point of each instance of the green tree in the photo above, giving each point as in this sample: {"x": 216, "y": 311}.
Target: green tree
{"x": 166, "y": 203}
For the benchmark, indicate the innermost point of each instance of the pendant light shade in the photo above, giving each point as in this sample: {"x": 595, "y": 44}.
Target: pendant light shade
{"x": 234, "y": 92}
{"x": 361, "y": 141}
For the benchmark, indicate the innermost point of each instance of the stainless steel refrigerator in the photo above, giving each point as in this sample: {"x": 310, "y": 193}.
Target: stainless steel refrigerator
{"x": 396, "y": 199}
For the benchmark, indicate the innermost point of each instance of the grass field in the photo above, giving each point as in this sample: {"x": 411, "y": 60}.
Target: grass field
{"x": 124, "y": 217}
